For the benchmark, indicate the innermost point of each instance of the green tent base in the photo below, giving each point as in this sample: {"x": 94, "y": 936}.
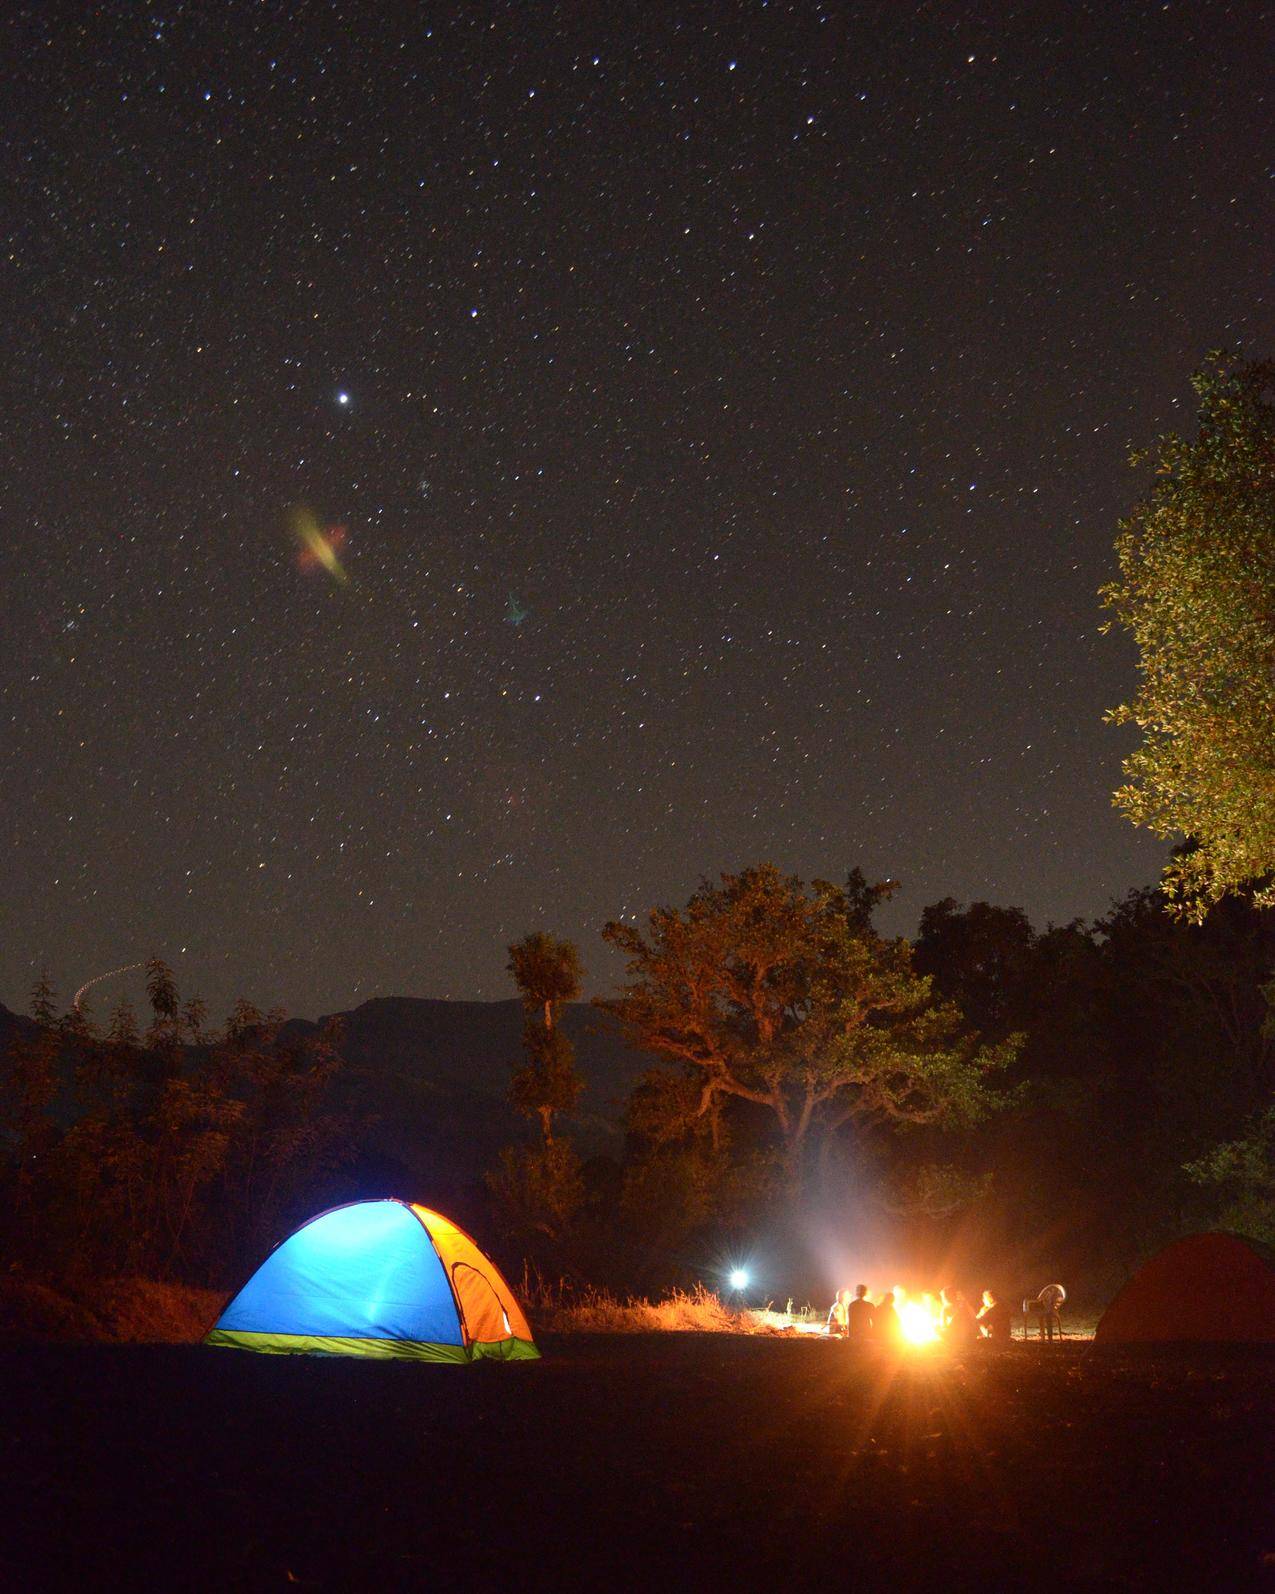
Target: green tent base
{"x": 503, "y": 1350}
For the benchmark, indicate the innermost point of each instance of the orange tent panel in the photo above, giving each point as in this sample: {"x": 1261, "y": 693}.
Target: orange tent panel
{"x": 489, "y": 1310}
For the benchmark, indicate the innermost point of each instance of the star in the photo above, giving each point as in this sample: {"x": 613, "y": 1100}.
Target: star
{"x": 667, "y": 484}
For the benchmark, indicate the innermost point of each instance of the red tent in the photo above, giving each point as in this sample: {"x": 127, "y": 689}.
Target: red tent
{"x": 1216, "y": 1288}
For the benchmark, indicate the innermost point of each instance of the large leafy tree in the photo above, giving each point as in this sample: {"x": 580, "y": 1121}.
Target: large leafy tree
{"x": 1196, "y": 592}
{"x": 767, "y": 991}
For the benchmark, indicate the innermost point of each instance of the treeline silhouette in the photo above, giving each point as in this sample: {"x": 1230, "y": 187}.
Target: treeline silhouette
{"x": 990, "y": 1095}
{"x": 172, "y": 1151}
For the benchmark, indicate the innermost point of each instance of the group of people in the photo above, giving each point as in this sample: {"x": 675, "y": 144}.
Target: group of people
{"x": 948, "y": 1316}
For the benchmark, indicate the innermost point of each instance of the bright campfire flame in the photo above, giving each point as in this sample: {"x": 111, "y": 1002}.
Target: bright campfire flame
{"x": 918, "y": 1322}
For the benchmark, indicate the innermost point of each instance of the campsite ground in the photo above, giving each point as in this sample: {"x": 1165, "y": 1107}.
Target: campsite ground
{"x": 709, "y": 1461}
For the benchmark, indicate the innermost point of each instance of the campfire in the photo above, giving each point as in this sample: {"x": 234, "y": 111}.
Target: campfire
{"x": 920, "y": 1320}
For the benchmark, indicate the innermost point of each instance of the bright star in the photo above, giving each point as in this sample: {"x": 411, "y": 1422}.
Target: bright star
{"x": 343, "y": 398}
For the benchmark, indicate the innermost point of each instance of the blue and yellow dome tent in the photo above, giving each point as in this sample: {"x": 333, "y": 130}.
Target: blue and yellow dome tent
{"x": 383, "y": 1278}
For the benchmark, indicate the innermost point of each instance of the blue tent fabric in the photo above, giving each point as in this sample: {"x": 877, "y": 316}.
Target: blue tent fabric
{"x": 366, "y": 1271}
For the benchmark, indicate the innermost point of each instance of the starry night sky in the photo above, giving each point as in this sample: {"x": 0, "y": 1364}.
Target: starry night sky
{"x": 710, "y": 423}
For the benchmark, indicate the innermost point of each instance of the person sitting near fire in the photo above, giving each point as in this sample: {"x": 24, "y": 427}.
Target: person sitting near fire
{"x": 837, "y": 1315}
{"x": 994, "y": 1319}
{"x": 886, "y": 1323}
{"x": 962, "y": 1327}
{"x": 860, "y": 1314}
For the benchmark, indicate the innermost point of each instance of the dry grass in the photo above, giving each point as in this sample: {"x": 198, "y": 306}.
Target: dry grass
{"x": 795, "y": 1320}
{"x": 131, "y": 1311}
{"x": 570, "y": 1309}
{"x": 141, "y": 1311}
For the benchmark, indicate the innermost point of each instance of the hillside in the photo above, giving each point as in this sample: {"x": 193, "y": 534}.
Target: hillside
{"x": 11, "y": 1025}
{"x": 431, "y": 1076}
{"x": 434, "y": 1075}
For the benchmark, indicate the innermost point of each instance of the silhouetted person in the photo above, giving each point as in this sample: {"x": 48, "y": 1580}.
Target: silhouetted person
{"x": 962, "y": 1328}
{"x": 860, "y": 1314}
{"x": 837, "y": 1314}
{"x": 994, "y": 1319}
{"x": 888, "y": 1329}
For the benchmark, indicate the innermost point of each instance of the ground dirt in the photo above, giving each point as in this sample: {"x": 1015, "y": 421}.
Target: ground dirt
{"x": 637, "y": 1461}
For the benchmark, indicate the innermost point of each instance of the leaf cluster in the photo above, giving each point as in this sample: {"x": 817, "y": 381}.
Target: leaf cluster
{"x": 783, "y": 995}
{"x": 1196, "y": 592}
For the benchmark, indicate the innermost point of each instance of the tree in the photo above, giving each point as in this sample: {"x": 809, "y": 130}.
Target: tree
{"x": 1197, "y": 990}
{"x": 1244, "y": 1171}
{"x": 538, "y": 1189}
{"x": 687, "y": 1172}
{"x": 28, "y": 1085}
{"x": 935, "y": 1190}
{"x": 547, "y": 972}
{"x": 177, "y": 1144}
{"x": 1197, "y": 594}
{"x": 980, "y": 958}
{"x": 767, "y": 992}
{"x": 1143, "y": 1050}
{"x": 289, "y": 1136}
